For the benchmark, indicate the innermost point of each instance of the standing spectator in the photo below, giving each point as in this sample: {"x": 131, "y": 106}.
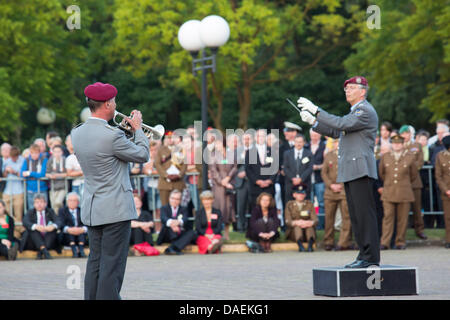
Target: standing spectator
{"x": 73, "y": 169}
{"x": 259, "y": 161}
{"x": 74, "y": 231}
{"x": 435, "y": 138}
{"x": 56, "y": 172}
{"x": 8, "y": 243}
{"x": 142, "y": 227}
{"x": 41, "y": 225}
{"x": 422, "y": 138}
{"x": 317, "y": 148}
{"x": 34, "y": 167}
{"x": 174, "y": 219}
{"x": 264, "y": 223}
{"x": 385, "y": 132}
{"x": 441, "y": 131}
{"x": 171, "y": 169}
{"x": 241, "y": 183}
{"x": 415, "y": 149}
{"x": 398, "y": 171}
{"x": 290, "y": 131}
{"x": 301, "y": 219}
{"x": 5, "y": 150}
{"x": 194, "y": 179}
{"x": 49, "y": 136}
{"x": 14, "y": 193}
{"x": 223, "y": 171}
{"x": 153, "y": 200}
{"x": 42, "y": 147}
{"x": 298, "y": 166}
{"x": 334, "y": 197}
{"x": 208, "y": 225}
{"x": 442, "y": 173}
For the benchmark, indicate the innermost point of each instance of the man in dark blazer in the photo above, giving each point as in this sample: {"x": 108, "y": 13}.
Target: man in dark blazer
{"x": 356, "y": 162}
{"x": 298, "y": 167}
{"x": 41, "y": 224}
{"x": 174, "y": 218}
{"x": 261, "y": 167}
{"x": 74, "y": 232}
{"x": 241, "y": 184}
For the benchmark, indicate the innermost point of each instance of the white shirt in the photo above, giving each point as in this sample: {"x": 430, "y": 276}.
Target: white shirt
{"x": 298, "y": 153}
{"x": 73, "y": 164}
{"x": 173, "y": 209}
{"x": 38, "y": 220}
{"x": 261, "y": 152}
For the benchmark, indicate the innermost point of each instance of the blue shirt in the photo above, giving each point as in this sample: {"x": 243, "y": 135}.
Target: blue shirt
{"x": 15, "y": 185}
{"x": 32, "y": 185}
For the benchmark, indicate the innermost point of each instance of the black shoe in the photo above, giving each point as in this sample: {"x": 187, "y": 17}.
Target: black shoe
{"x": 46, "y": 254}
{"x": 170, "y": 251}
{"x": 310, "y": 245}
{"x": 447, "y": 245}
{"x": 351, "y": 264}
{"x": 382, "y": 247}
{"x": 422, "y": 236}
{"x": 178, "y": 252}
{"x": 300, "y": 246}
{"x": 329, "y": 247}
{"x": 39, "y": 255}
{"x": 363, "y": 264}
{"x": 74, "y": 251}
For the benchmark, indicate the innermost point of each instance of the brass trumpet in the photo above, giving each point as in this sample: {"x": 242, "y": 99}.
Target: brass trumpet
{"x": 155, "y": 132}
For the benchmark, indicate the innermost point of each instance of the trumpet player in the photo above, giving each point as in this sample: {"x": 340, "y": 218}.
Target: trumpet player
{"x": 107, "y": 206}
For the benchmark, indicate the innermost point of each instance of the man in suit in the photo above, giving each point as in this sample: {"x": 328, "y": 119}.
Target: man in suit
{"x": 242, "y": 184}
{"x": 298, "y": 167}
{"x": 41, "y": 224}
{"x": 356, "y": 162}
{"x": 74, "y": 231}
{"x": 261, "y": 167}
{"x": 174, "y": 219}
{"x": 107, "y": 206}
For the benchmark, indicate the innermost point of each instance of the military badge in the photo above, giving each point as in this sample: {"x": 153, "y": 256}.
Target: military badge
{"x": 358, "y": 112}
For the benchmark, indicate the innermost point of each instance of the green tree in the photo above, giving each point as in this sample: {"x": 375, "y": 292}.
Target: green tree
{"x": 407, "y": 60}
{"x": 269, "y": 42}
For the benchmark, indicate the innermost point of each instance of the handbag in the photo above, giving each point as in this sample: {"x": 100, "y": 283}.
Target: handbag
{"x": 146, "y": 249}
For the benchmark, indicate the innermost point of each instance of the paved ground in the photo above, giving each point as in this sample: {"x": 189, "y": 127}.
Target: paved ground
{"x": 236, "y": 276}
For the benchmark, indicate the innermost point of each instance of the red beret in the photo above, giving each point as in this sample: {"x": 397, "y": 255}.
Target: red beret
{"x": 100, "y": 91}
{"x": 356, "y": 80}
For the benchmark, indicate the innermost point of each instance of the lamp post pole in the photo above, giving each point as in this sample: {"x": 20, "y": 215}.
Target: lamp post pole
{"x": 204, "y": 122}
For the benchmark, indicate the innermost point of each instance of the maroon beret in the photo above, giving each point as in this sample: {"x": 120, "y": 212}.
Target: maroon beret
{"x": 100, "y": 91}
{"x": 356, "y": 80}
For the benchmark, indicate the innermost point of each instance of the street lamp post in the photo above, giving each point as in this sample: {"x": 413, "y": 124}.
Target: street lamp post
{"x": 194, "y": 36}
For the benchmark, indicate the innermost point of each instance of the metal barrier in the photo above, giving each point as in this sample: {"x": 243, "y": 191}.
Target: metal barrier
{"x": 137, "y": 179}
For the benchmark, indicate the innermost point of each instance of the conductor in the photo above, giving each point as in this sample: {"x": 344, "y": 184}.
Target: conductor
{"x": 107, "y": 206}
{"x": 356, "y": 162}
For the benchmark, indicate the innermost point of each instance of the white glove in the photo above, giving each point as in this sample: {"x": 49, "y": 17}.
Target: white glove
{"x": 307, "y": 105}
{"x": 307, "y": 117}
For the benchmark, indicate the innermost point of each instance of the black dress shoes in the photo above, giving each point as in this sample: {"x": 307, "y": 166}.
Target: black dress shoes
{"x": 170, "y": 251}
{"x": 46, "y": 254}
{"x": 447, "y": 245}
{"x": 310, "y": 245}
{"x": 39, "y": 255}
{"x": 351, "y": 264}
{"x": 362, "y": 264}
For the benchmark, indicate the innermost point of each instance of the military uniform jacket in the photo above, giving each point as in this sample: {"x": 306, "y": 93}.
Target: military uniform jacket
{"x": 162, "y": 162}
{"x": 357, "y": 132}
{"x": 416, "y": 150}
{"x": 294, "y": 211}
{"x": 397, "y": 177}
{"x": 329, "y": 176}
{"x": 103, "y": 153}
{"x": 442, "y": 172}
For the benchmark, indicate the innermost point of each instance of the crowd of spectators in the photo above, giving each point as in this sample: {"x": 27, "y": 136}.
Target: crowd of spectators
{"x": 258, "y": 185}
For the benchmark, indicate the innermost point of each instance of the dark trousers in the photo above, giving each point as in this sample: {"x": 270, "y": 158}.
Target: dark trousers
{"x": 138, "y": 236}
{"x": 68, "y": 238}
{"x": 264, "y": 227}
{"x": 179, "y": 241}
{"x": 363, "y": 215}
{"x": 243, "y": 202}
{"x": 48, "y": 240}
{"x": 105, "y": 268}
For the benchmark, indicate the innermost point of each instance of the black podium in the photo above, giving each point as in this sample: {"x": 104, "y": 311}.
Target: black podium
{"x": 386, "y": 280}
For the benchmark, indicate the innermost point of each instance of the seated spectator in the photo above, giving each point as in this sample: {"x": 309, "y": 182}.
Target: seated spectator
{"x": 41, "y": 225}
{"x": 34, "y": 167}
{"x": 13, "y": 193}
{"x": 56, "y": 172}
{"x": 208, "y": 225}
{"x": 301, "y": 219}
{"x": 8, "y": 244}
{"x": 142, "y": 227}
{"x": 264, "y": 223}
{"x": 173, "y": 219}
{"x": 74, "y": 231}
